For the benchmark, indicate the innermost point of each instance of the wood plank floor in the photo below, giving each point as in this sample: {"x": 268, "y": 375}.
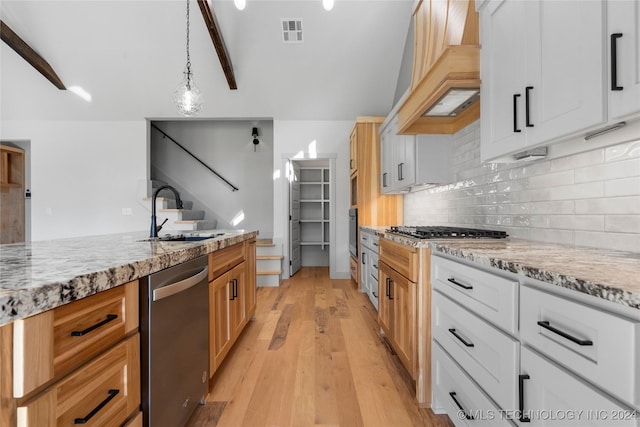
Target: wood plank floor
{"x": 312, "y": 357}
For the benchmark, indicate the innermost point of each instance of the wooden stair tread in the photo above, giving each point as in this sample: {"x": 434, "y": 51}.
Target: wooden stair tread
{"x": 264, "y": 242}
{"x": 265, "y": 257}
{"x": 268, "y": 272}
{"x": 190, "y": 221}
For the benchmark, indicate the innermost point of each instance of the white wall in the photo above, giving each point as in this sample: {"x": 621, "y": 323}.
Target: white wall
{"x": 306, "y": 138}
{"x": 226, "y": 146}
{"x": 587, "y": 199}
{"x": 82, "y": 175}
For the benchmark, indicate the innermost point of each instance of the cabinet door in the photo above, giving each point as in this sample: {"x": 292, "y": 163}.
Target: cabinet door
{"x": 553, "y": 397}
{"x": 385, "y": 306}
{"x": 405, "y": 161}
{"x": 404, "y": 317}
{"x": 503, "y": 26}
{"x": 624, "y": 87}
{"x": 250, "y": 280}
{"x": 565, "y": 73}
{"x": 353, "y": 150}
{"x": 238, "y": 314}
{"x": 219, "y": 328}
{"x": 386, "y": 160}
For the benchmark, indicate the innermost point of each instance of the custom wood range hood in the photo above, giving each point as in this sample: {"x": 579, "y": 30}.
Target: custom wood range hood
{"x": 445, "y": 83}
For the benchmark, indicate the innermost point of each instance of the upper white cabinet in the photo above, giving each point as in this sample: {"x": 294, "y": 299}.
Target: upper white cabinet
{"x": 413, "y": 160}
{"x": 623, "y": 26}
{"x": 542, "y": 72}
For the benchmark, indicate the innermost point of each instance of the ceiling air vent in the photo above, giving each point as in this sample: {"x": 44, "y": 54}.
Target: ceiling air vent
{"x": 292, "y": 30}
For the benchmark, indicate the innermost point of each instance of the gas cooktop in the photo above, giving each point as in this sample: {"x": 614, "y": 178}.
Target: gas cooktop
{"x": 435, "y": 232}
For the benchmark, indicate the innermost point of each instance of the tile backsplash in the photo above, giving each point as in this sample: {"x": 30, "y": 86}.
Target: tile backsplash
{"x": 587, "y": 199}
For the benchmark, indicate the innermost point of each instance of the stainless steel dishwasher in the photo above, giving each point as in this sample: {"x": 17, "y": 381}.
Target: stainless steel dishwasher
{"x": 174, "y": 327}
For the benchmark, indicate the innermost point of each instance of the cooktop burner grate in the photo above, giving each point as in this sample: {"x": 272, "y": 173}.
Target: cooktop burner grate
{"x": 435, "y": 232}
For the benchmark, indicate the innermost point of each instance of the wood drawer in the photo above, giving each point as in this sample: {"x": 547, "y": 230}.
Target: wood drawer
{"x": 610, "y": 360}
{"x": 488, "y": 355}
{"x": 108, "y": 387}
{"x": 549, "y": 390}
{"x": 493, "y": 297}
{"x": 449, "y": 383}
{"x": 51, "y": 344}
{"x": 402, "y": 258}
{"x": 225, "y": 259}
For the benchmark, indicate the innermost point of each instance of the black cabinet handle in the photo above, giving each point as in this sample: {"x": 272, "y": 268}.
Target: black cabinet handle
{"x": 374, "y": 294}
{"x": 109, "y": 318}
{"x": 350, "y": 163}
{"x": 463, "y": 286}
{"x": 614, "y": 61}
{"x": 375, "y": 244}
{"x": 526, "y": 106}
{"x": 521, "y": 379}
{"x": 363, "y": 254}
{"x": 466, "y": 416}
{"x": 375, "y": 266}
{"x": 112, "y": 394}
{"x": 462, "y": 340}
{"x": 384, "y": 179}
{"x": 545, "y": 324}
{"x": 388, "y": 284}
{"x": 235, "y": 288}
{"x": 400, "y": 177}
{"x": 515, "y": 112}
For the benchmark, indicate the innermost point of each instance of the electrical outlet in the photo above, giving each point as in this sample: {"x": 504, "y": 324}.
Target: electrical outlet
{"x": 127, "y": 211}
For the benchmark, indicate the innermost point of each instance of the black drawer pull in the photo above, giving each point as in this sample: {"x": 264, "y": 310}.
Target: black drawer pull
{"x": 462, "y": 340}
{"x": 375, "y": 266}
{"x": 463, "y": 286}
{"x": 614, "y": 61}
{"x": 526, "y": 106}
{"x": 374, "y": 295}
{"x": 466, "y": 416}
{"x": 521, "y": 379}
{"x": 545, "y": 324}
{"x": 363, "y": 254}
{"x": 515, "y": 112}
{"x": 109, "y": 318}
{"x": 384, "y": 179}
{"x": 388, "y": 285}
{"x": 112, "y": 394}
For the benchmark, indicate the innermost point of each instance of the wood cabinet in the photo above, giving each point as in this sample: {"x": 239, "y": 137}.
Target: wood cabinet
{"x": 404, "y": 309}
{"x": 374, "y": 208}
{"x": 12, "y": 209}
{"x": 353, "y": 151}
{"x": 232, "y": 298}
{"x": 553, "y": 77}
{"x": 78, "y": 359}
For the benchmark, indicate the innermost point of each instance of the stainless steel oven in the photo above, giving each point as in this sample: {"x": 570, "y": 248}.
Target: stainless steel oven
{"x": 353, "y": 232}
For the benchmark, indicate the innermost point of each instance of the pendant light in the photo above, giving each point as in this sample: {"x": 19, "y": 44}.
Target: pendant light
{"x": 240, "y": 4}
{"x": 327, "y": 4}
{"x": 187, "y": 96}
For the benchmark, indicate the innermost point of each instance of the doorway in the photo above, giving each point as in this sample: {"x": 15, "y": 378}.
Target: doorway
{"x": 310, "y": 213}
{"x": 15, "y": 193}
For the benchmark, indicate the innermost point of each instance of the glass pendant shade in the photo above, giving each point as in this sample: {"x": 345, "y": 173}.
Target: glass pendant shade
{"x": 327, "y": 4}
{"x": 240, "y": 4}
{"x": 187, "y": 96}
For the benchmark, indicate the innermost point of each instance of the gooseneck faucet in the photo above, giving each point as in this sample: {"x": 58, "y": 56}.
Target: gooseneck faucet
{"x": 154, "y": 227}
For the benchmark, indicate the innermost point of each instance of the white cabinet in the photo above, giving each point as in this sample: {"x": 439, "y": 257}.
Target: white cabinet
{"x": 554, "y": 397}
{"x": 623, "y": 24}
{"x": 542, "y": 72}
{"x": 369, "y": 265}
{"x": 413, "y": 160}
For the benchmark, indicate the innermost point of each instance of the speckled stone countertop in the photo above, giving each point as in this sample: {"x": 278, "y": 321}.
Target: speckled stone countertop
{"x": 39, "y": 276}
{"x": 606, "y": 274}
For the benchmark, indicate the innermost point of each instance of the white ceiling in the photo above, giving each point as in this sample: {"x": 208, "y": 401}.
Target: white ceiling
{"x": 129, "y": 55}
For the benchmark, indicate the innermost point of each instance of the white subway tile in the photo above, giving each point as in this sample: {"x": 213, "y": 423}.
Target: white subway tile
{"x": 578, "y": 222}
{"x": 578, "y": 160}
{"x": 605, "y": 171}
{"x": 622, "y": 223}
{"x": 588, "y": 190}
{"x": 551, "y": 179}
{"x": 622, "y": 187}
{"x": 566, "y": 237}
{"x": 627, "y": 150}
{"x": 558, "y": 207}
{"x": 609, "y": 205}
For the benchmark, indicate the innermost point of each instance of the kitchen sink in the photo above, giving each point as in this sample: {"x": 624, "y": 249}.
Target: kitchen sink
{"x": 183, "y": 238}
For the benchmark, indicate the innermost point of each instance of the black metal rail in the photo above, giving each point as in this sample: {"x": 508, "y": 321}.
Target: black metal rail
{"x": 164, "y": 134}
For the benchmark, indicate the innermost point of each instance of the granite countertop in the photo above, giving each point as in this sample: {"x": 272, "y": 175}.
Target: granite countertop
{"x": 39, "y": 276}
{"x": 607, "y": 274}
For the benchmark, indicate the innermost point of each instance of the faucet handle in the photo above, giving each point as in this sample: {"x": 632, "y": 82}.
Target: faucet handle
{"x": 158, "y": 228}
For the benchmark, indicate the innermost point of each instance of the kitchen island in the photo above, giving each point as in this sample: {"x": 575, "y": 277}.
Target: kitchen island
{"x": 71, "y": 317}
{"x": 39, "y": 276}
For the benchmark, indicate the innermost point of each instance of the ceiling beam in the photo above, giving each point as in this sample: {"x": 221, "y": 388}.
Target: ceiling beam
{"x": 31, "y": 56}
{"x": 218, "y": 42}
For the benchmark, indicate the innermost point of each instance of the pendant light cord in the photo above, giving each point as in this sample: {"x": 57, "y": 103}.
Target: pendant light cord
{"x": 188, "y": 57}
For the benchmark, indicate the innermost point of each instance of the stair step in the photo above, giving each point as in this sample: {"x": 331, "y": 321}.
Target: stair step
{"x": 269, "y": 257}
{"x": 183, "y": 214}
{"x": 169, "y": 203}
{"x": 264, "y": 242}
{"x": 268, "y": 272}
{"x": 196, "y": 224}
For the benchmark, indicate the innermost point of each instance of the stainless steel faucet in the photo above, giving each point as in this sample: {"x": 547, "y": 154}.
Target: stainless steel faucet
{"x": 154, "y": 228}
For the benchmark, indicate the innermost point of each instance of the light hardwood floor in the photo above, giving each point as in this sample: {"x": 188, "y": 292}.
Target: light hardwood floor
{"x": 312, "y": 357}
